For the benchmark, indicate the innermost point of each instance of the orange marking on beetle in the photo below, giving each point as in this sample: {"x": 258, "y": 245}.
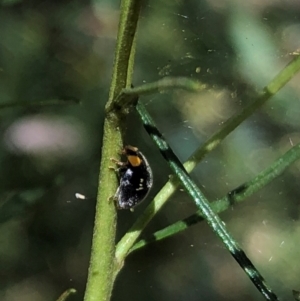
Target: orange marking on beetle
{"x": 134, "y": 160}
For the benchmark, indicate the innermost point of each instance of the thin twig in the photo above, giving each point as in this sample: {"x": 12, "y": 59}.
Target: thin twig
{"x": 202, "y": 203}
{"x": 66, "y": 294}
{"x": 129, "y": 97}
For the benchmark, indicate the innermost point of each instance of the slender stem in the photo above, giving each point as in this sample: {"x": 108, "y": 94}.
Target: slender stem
{"x": 122, "y": 74}
{"x": 235, "y": 196}
{"x": 129, "y": 97}
{"x": 66, "y": 294}
{"x": 101, "y": 273}
{"x": 202, "y": 203}
{"x": 231, "y": 124}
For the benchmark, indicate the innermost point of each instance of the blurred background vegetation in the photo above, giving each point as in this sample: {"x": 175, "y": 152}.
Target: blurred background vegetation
{"x": 64, "y": 49}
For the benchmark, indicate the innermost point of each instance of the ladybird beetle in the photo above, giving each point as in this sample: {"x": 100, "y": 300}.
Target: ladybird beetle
{"x": 135, "y": 177}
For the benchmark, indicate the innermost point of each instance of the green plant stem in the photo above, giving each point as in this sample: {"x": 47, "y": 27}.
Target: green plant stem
{"x": 65, "y": 295}
{"x": 122, "y": 75}
{"x": 101, "y": 273}
{"x": 235, "y": 196}
{"x": 128, "y": 97}
{"x": 202, "y": 203}
{"x": 232, "y": 123}
{"x": 126, "y": 243}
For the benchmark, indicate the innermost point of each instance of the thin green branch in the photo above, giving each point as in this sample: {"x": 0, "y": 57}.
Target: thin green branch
{"x": 128, "y": 240}
{"x": 66, "y": 294}
{"x": 129, "y": 97}
{"x": 102, "y": 267}
{"x": 235, "y": 196}
{"x": 122, "y": 75}
{"x": 202, "y": 203}
{"x": 231, "y": 124}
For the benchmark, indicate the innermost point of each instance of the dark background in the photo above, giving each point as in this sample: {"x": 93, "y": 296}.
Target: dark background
{"x": 64, "y": 49}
